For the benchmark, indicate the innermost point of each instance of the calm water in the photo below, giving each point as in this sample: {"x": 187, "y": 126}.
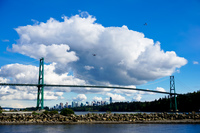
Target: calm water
{"x": 85, "y": 112}
{"x": 105, "y": 128}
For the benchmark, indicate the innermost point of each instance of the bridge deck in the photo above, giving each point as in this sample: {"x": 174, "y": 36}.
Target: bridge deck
{"x": 88, "y": 86}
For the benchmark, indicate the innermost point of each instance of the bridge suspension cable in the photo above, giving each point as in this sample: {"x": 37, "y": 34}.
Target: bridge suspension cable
{"x": 88, "y": 86}
{"x": 41, "y": 85}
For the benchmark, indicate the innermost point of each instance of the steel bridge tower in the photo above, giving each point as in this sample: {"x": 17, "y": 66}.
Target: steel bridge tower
{"x": 173, "y": 103}
{"x": 40, "y": 95}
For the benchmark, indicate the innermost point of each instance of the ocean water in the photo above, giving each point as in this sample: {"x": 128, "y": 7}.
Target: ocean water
{"x": 85, "y": 112}
{"x": 102, "y": 128}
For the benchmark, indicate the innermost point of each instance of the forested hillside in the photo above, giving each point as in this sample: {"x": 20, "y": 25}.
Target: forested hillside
{"x": 185, "y": 102}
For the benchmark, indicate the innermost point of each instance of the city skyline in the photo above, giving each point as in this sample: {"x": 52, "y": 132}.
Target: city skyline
{"x": 81, "y": 104}
{"x": 130, "y": 44}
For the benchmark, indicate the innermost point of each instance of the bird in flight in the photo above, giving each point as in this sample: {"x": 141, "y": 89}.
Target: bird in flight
{"x": 145, "y": 23}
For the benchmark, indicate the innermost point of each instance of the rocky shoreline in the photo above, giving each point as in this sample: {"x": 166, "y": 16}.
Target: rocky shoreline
{"x": 140, "y": 118}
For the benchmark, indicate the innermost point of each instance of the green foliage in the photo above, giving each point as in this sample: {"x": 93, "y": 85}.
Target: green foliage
{"x": 53, "y": 112}
{"x": 30, "y": 109}
{"x": 66, "y": 112}
{"x": 50, "y": 112}
{"x": 34, "y": 109}
{"x": 46, "y": 108}
{"x": 46, "y": 112}
{"x": 0, "y": 109}
{"x": 189, "y": 102}
{"x": 34, "y": 113}
{"x": 108, "y": 112}
{"x": 186, "y": 103}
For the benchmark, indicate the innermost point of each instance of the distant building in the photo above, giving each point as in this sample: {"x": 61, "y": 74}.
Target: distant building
{"x": 93, "y": 103}
{"x": 102, "y": 102}
{"x": 98, "y": 103}
{"x": 106, "y": 103}
{"x": 66, "y": 105}
{"x": 87, "y": 104}
{"x": 78, "y": 104}
{"x": 73, "y": 104}
{"x": 110, "y": 100}
{"x": 57, "y": 107}
{"x": 61, "y": 105}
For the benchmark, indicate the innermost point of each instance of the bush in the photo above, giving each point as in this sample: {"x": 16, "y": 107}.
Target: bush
{"x": 66, "y": 112}
{"x": 34, "y": 113}
{"x": 46, "y": 112}
{"x": 0, "y": 109}
{"x": 53, "y": 112}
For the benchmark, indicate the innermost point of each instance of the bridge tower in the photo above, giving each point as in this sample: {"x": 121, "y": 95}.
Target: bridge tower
{"x": 40, "y": 95}
{"x": 173, "y": 103}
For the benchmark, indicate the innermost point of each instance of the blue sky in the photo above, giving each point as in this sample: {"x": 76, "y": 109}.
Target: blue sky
{"x": 129, "y": 53}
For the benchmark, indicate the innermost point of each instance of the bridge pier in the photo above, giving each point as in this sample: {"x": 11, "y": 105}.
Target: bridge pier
{"x": 173, "y": 102}
{"x": 40, "y": 95}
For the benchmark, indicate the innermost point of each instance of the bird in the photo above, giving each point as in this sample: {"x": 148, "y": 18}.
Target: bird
{"x": 145, "y": 23}
{"x": 94, "y": 54}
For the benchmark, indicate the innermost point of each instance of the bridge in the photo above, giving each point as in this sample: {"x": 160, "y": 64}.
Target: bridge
{"x": 41, "y": 85}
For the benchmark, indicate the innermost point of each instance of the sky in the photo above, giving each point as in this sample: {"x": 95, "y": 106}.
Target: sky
{"x": 137, "y": 43}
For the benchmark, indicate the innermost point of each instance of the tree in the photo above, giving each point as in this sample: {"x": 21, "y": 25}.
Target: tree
{"x": 66, "y": 112}
{"x": 0, "y": 109}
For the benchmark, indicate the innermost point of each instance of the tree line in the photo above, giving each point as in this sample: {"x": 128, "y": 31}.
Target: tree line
{"x": 185, "y": 103}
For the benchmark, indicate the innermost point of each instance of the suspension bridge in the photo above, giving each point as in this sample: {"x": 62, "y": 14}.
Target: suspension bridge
{"x": 41, "y": 85}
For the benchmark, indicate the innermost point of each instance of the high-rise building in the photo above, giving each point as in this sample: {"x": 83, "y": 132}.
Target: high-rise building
{"x": 98, "y": 103}
{"x": 73, "y": 104}
{"x": 110, "y": 100}
{"x": 66, "y": 105}
{"x": 61, "y": 105}
{"x": 87, "y": 104}
{"x": 103, "y": 102}
{"x": 57, "y": 106}
{"x": 78, "y": 104}
{"x": 93, "y": 103}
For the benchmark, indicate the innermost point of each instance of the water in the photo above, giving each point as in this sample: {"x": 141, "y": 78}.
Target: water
{"x": 85, "y": 112}
{"x": 99, "y": 128}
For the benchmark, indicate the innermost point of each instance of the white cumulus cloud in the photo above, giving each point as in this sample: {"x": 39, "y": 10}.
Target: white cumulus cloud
{"x": 122, "y": 57}
{"x": 116, "y": 97}
{"x": 160, "y": 89}
{"x": 97, "y": 98}
{"x": 195, "y": 62}
{"x": 126, "y": 56}
{"x": 18, "y": 73}
{"x": 52, "y": 53}
{"x": 80, "y": 97}
{"x": 137, "y": 97}
{"x": 88, "y": 67}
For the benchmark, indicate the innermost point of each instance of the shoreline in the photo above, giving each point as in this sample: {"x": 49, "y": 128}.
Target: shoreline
{"x": 186, "y": 121}
{"x": 46, "y": 118}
